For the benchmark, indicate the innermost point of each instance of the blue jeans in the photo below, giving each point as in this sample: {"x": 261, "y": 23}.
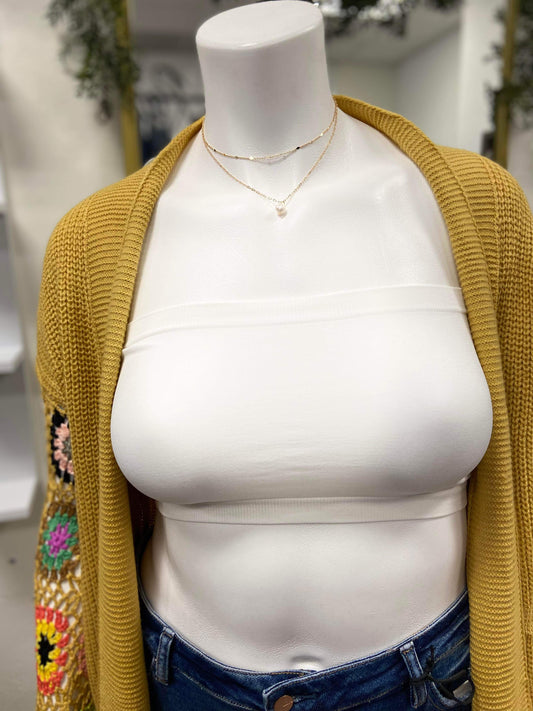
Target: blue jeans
{"x": 421, "y": 672}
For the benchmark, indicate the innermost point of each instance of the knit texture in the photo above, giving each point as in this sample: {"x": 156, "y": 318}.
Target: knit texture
{"x": 89, "y": 640}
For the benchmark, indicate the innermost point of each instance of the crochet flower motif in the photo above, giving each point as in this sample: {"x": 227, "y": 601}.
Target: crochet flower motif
{"x": 61, "y": 447}
{"x": 58, "y": 549}
{"x": 51, "y": 640}
{"x": 59, "y": 540}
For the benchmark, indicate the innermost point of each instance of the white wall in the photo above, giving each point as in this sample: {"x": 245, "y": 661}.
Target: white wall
{"x": 441, "y": 87}
{"x": 371, "y": 83}
{"x": 53, "y": 151}
{"x": 479, "y": 30}
{"x": 426, "y": 88}
{"x": 520, "y": 158}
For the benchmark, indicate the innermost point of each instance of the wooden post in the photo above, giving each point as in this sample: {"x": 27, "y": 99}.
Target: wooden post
{"x": 502, "y": 104}
{"x": 131, "y": 142}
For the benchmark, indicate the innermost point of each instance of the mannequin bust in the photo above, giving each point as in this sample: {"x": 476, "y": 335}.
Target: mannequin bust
{"x": 240, "y": 382}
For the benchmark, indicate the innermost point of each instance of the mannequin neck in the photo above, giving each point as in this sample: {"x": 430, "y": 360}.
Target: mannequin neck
{"x": 265, "y": 78}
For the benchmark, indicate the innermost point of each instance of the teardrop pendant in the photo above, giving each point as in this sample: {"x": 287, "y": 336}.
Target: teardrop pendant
{"x": 281, "y": 209}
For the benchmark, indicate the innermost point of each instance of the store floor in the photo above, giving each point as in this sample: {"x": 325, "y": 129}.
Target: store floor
{"x": 18, "y": 545}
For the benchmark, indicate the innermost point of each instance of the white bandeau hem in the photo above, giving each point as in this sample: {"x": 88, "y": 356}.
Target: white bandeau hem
{"x": 322, "y": 509}
{"x": 317, "y": 307}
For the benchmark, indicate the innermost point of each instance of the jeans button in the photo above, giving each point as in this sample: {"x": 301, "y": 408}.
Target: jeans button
{"x": 284, "y": 703}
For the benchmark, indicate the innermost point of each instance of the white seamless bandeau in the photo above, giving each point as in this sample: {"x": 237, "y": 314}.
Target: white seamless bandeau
{"x": 328, "y": 306}
{"x": 309, "y": 308}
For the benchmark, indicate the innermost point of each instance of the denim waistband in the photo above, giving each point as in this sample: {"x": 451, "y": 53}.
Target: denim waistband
{"x": 407, "y": 664}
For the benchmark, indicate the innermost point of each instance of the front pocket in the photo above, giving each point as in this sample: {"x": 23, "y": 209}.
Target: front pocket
{"x": 452, "y": 693}
{"x": 449, "y": 681}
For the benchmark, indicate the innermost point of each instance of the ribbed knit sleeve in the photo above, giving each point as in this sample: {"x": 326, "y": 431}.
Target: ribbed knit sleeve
{"x": 514, "y": 308}
{"x": 48, "y": 361}
{"x": 62, "y": 681}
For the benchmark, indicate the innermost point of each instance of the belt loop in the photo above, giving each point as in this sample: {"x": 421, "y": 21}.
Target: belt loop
{"x": 162, "y": 655}
{"x": 418, "y": 679}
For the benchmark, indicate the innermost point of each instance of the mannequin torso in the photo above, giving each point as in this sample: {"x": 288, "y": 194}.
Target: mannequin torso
{"x": 405, "y": 391}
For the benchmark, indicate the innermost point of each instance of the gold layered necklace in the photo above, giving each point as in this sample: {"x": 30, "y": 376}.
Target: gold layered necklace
{"x": 281, "y": 205}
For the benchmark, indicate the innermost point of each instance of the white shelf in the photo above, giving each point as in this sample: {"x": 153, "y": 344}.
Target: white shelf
{"x": 18, "y": 465}
{"x": 11, "y": 345}
{"x": 18, "y": 470}
{"x": 3, "y": 198}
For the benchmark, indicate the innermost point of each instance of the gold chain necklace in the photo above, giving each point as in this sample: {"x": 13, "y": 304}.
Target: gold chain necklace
{"x": 274, "y": 155}
{"x": 280, "y": 204}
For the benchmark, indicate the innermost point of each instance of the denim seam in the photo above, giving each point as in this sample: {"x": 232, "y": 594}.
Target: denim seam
{"x": 452, "y": 649}
{"x": 390, "y": 690}
{"x": 212, "y": 693}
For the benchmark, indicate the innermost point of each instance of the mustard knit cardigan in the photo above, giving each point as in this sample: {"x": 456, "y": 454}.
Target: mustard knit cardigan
{"x": 89, "y": 652}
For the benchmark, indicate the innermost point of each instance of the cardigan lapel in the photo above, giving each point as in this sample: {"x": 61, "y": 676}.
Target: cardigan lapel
{"x": 117, "y": 585}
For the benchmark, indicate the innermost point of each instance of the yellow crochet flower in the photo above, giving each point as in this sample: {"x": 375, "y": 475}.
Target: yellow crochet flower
{"x": 51, "y": 640}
